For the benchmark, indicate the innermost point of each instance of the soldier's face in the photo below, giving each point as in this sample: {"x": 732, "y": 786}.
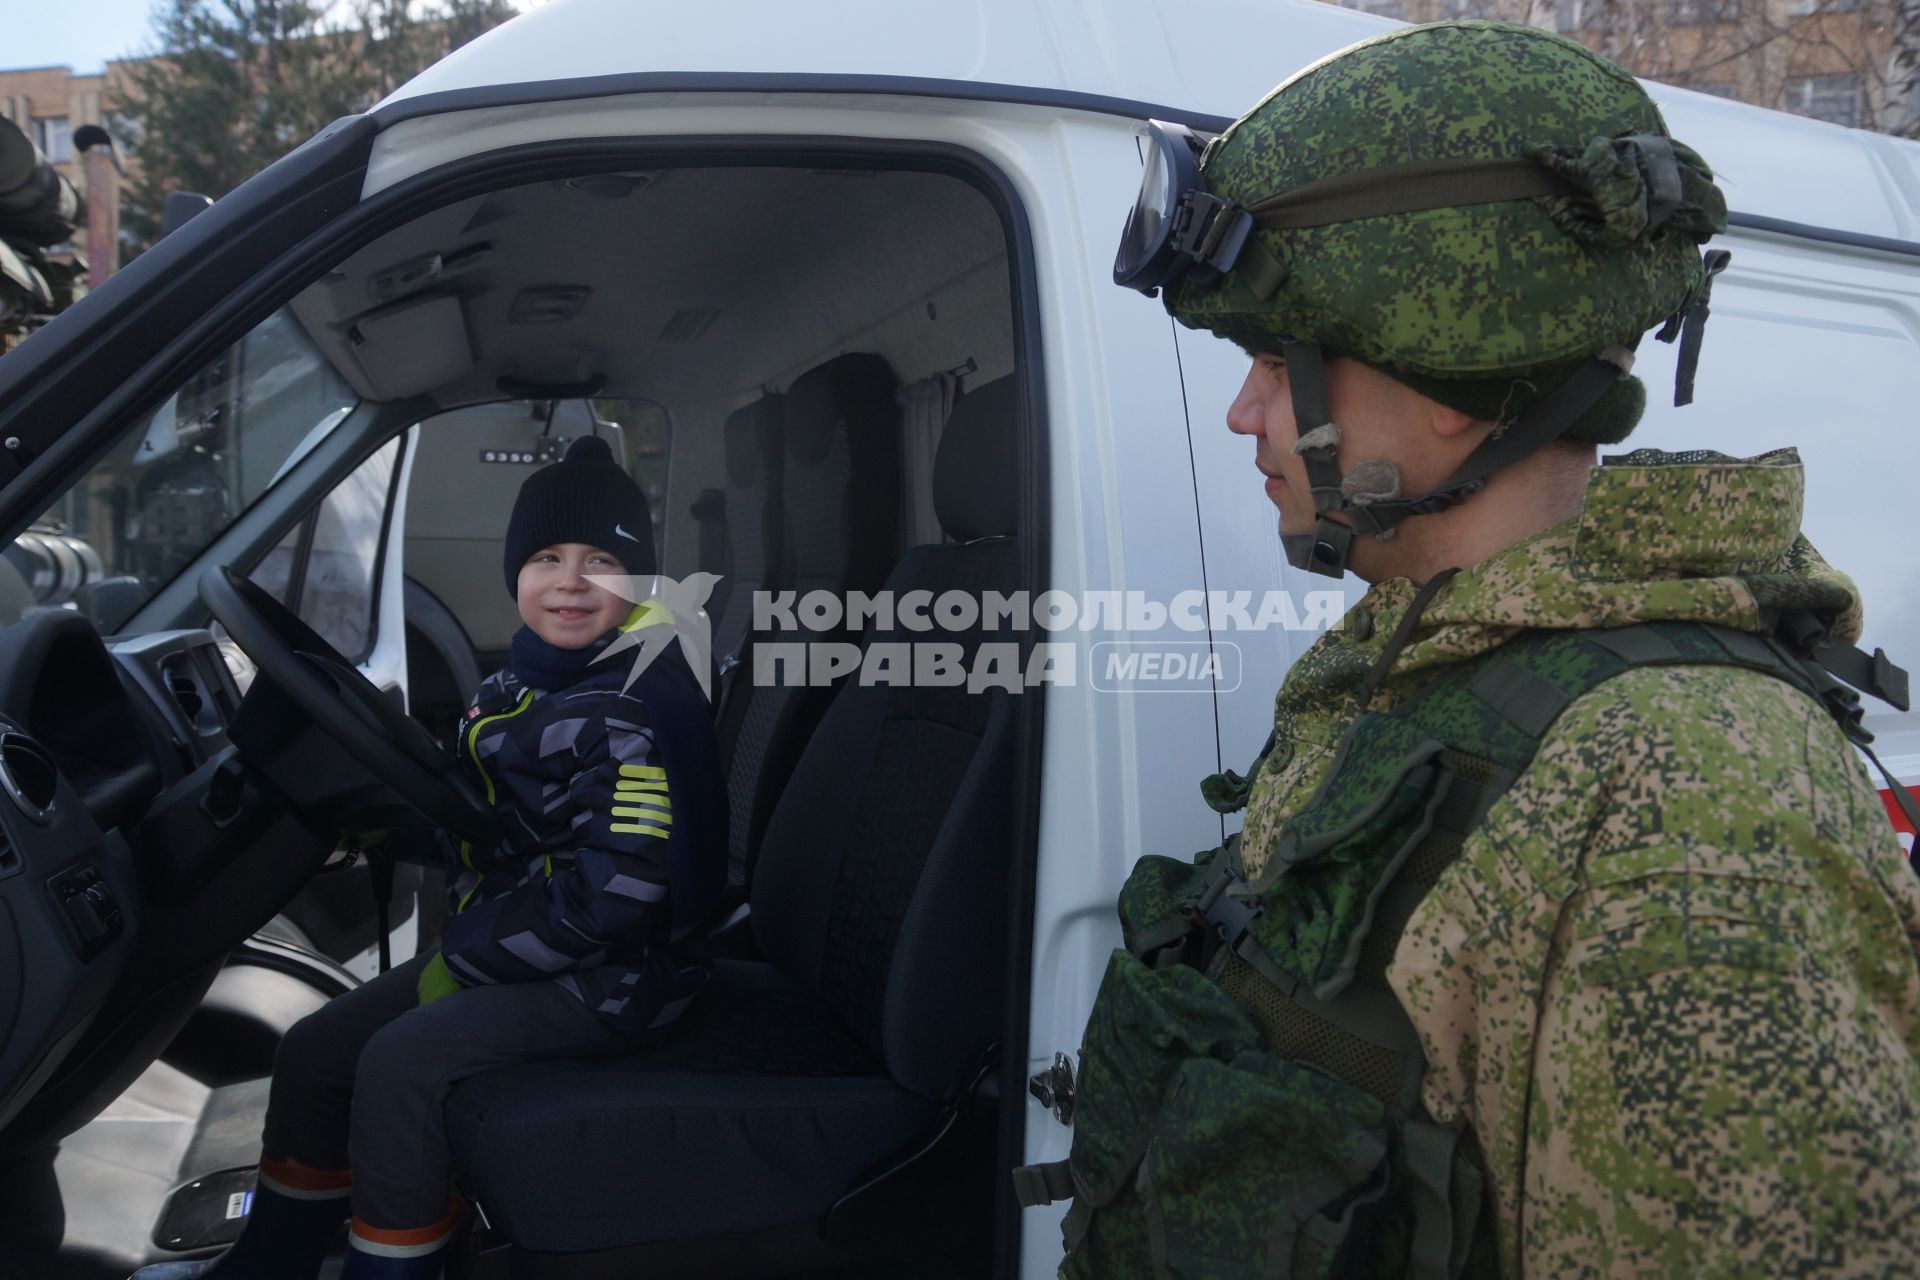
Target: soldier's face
{"x": 1378, "y": 418}
{"x": 558, "y": 602}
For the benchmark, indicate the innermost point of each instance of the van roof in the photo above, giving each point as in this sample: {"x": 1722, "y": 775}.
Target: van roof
{"x": 1185, "y": 57}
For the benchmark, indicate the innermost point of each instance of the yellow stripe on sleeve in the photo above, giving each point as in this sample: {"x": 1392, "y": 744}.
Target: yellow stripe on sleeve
{"x": 636, "y": 829}
{"x": 651, "y": 815}
{"x": 643, "y": 771}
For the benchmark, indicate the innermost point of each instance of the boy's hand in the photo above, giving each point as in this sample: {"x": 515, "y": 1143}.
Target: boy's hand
{"x": 435, "y": 981}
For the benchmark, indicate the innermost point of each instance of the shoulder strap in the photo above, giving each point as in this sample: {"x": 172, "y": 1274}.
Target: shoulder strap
{"x": 1801, "y": 653}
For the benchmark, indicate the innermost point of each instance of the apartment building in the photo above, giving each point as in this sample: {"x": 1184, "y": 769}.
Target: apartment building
{"x": 1832, "y": 60}
{"x": 50, "y": 103}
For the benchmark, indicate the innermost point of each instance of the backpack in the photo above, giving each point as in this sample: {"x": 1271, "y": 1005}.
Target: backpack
{"x": 1248, "y": 1106}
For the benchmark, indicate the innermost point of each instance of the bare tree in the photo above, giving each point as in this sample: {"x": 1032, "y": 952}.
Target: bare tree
{"x": 1903, "y": 70}
{"x": 1851, "y": 61}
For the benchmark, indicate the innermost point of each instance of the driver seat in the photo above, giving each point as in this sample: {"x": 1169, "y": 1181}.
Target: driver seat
{"x": 880, "y": 906}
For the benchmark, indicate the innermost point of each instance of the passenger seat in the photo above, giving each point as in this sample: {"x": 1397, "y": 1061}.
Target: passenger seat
{"x": 839, "y": 516}
{"x": 742, "y": 530}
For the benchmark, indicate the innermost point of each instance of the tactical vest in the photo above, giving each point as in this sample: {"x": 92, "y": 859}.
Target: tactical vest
{"x": 1249, "y": 1094}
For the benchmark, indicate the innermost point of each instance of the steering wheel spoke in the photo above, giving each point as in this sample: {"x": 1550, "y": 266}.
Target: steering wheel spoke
{"x": 369, "y": 728}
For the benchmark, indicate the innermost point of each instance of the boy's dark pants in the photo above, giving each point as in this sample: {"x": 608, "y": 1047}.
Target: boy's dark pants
{"x": 363, "y": 1080}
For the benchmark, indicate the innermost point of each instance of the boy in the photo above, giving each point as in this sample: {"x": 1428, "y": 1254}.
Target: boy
{"x": 613, "y": 813}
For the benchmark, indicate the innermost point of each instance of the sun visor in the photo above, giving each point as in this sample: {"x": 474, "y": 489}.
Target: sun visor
{"x": 412, "y": 347}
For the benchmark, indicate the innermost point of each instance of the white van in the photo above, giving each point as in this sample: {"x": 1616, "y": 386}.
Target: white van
{"x": 783, "y": 254}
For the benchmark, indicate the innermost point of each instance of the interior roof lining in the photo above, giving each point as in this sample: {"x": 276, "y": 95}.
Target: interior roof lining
{"x": 782, "y": 253}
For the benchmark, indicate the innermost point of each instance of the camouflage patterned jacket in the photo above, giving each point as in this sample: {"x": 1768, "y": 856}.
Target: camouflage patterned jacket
{"x": 605, "y": 796}
{"x": 1671, "y": 983}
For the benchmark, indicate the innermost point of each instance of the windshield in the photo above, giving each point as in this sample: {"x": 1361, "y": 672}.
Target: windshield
{"x": 176, "y": 479}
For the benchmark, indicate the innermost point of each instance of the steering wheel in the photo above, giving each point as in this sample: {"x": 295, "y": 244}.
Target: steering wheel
{"x": 346, "y": 706}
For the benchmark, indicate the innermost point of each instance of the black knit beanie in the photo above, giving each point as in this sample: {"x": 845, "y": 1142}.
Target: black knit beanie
{"x": 585, "y": 497}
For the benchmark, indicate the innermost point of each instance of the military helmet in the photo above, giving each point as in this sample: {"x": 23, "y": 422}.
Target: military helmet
{"x": 1491, "y": 213}
{"x": 1465, "y": 289}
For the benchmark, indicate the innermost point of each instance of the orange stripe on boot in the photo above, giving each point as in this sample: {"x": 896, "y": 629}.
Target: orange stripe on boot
{"x": 299, "y": 1181}
{"x": 410, "y": 1242}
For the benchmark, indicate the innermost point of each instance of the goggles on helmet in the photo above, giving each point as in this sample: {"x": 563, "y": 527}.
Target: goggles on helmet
{"x": 1177, "y": 227}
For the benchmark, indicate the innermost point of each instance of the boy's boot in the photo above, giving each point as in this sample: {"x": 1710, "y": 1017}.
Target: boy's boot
{"x": 295, "y": 1215}
{"x": 376, "y": 1253}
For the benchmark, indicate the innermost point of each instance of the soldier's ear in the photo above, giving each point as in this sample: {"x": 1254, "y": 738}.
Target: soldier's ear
{"x": 1448, "y": 423}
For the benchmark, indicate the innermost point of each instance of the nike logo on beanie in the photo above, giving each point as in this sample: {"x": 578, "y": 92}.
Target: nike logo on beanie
{"x": 623, "y": 533}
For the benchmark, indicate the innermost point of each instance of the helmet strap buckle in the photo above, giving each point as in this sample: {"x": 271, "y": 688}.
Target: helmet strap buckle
{"x": 1689, "y": 324}
{"x": 1210, "y": 232}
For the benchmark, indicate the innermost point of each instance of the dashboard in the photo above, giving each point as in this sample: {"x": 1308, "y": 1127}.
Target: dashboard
{"x": 121, "y": 799}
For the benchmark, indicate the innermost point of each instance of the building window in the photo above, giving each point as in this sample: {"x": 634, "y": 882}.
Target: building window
{"x": 1693, "y": 13}
{"x": 55, "y": 136}
{"x": 1835, "y": 99}
{"x": 127, "y": 132}
{"x": 1396, "y": 9}
{"x": 1718, "y": 88}
{"x": 1567, "y": 16}
{"x": 1807, "y": 8}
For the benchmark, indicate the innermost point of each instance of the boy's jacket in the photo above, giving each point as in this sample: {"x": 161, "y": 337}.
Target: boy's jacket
{"x": 615, "y": 820}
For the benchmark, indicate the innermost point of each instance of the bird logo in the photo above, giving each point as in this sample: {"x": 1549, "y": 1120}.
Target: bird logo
{"x": 678, "y": 612}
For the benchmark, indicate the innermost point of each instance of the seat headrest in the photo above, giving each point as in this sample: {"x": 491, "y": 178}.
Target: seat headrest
{"x": 854, "y": 392}
{"x": 753, "y": 441}
{"x": 975, "y": 474}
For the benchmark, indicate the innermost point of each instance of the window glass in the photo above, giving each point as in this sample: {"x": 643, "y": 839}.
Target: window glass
{"x": 1693, "y": 12}
{"x": 56, "y": 138}
{"x": 645, "y": 430}
{"x": 331, "y": 559}
{"x": 1835, "y": 99}
{"x": 176, "y": 479}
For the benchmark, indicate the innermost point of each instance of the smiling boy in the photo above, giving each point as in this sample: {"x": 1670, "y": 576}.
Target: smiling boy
{"x": 613, "y": 819}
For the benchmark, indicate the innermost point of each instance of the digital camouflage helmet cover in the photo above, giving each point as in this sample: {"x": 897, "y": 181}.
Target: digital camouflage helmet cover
{"x": 1490, "y": 213}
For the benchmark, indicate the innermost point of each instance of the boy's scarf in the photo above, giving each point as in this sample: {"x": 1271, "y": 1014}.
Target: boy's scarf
{"x": 550, "y": 668}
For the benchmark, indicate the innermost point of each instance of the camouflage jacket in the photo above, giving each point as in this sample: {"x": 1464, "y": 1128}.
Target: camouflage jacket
{"x": 1671, "y": 985}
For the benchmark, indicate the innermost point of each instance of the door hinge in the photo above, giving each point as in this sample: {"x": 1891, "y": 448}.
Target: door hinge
{"x": 1053, "y": 1088}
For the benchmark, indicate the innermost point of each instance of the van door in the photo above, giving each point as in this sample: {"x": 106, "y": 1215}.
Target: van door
{"x": 1266, "y": 611}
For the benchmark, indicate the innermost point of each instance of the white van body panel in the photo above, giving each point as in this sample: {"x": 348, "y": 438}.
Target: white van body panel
{"x": 1216, "y": 57}
{"x": 1811, "y": 344}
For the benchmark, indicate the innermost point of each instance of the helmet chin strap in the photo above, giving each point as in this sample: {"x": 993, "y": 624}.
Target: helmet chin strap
{"x": 1326, "y": 549}
{"x": 1370, "y": 495}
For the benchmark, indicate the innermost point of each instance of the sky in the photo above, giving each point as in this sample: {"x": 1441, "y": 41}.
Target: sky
{"x": 82, "y": 34}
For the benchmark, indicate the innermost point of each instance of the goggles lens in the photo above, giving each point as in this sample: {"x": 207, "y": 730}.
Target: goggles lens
{"x": 1147, "y": 258}
{"x": 1176, "y": 225}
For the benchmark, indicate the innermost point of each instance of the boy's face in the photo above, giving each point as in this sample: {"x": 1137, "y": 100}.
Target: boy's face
{"x": 558, "y": 602}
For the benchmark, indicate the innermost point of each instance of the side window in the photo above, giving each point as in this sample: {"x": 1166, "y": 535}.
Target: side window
{"x": 174, "y": 481}
{"x": 644, "y": 428}
{"x": 327, "y": 568}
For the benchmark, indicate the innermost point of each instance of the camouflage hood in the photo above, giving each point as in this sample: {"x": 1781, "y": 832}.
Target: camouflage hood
{"x": 1696, "y": 536}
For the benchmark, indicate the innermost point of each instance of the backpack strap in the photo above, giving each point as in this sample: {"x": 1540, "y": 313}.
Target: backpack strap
{"x": 1039, "y": 1184}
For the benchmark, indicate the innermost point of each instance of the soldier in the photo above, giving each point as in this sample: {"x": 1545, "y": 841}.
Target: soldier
{"x": 1566, "y": 935}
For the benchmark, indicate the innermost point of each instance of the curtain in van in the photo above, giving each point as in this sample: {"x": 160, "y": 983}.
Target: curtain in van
{"x": 927, "y": 403}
